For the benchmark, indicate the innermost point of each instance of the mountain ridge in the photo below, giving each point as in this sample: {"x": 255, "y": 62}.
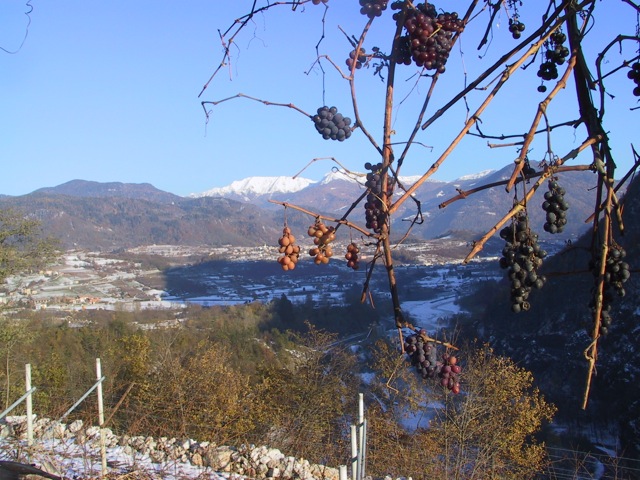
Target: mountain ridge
{"x": 115, "y": 214}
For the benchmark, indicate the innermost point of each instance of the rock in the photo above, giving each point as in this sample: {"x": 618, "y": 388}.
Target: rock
{"x": 196, "y": 460}
{"x": 157, "y": 456}
{"x": 219, "y": 458}
{"x": 75, "y": 426}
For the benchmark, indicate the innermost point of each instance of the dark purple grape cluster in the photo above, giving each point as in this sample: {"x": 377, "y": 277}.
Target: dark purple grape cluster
{"x": 375, "y": 215}
{"x": 556, "y": 54}
{"x": 423, "y": 355}
{"x": 556, "y": 207}
{"x": 402, "y": 51}
{"x": 616, "y": 273}
{"x": 429, "y": 35}
{"x": 352, "y": 256}
{"x": 522, "y": 256}
{"x": 331, "y": 124}
{"x": 634, "y": 74}
{"x": 318, "y": 2}
{"x": 359, "y": 61}
{"x": 516, "y": 27}
{"x": 373, "y": 8}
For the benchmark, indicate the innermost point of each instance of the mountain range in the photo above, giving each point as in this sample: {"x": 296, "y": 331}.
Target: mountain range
{"x": 249, "y": 212}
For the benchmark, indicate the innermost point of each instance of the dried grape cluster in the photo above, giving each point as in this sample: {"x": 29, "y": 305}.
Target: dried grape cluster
{"x": 331, "y": 124}
{"x": 556, "y": 207}
{"x": 616, "y": 273}
{"x": 516, "y": 27}
{"x": 289, "y": 249}
{"x": 359, "y": 60}
{"x": 634, "y": 74}
{"x": 352, "y": 257}
{"x": 522, "y": 256}
{"x": 375, "y": 215}
{"x": 429, "y": 35}
{"x": 423, "y": 355}
{"x": 555, "y": 54}
{"x": 322, "y": 237}
{"x": 373, "y": 8}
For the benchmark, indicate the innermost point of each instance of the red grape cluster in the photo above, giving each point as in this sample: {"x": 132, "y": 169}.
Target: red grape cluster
{"x": 322, "y": 237}
{"x": 318, "y": 2}
{"x": 289, "y": 249}
{"x": 373, "y": 8}
{"x": 615, "y": 275}
{"x": 423, "y": 355}
{"x": 375, "y": 215}
{"x": 516, "y": 27}
{"x": 523, "y": 256}
{"x": 331, "y": 124}
{"x": 556, "y": 54}
{"x": 429, "y": 35}
{"x": 556, "y": 207}
{"x": 353, "y": 259}
{"x": 449, "y": 373}
{"x": 634, "y": 74}
{"x": 359, "y": 61}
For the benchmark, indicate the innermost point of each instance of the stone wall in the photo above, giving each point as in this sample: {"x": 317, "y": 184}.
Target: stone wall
{"x": 258, "y": 462}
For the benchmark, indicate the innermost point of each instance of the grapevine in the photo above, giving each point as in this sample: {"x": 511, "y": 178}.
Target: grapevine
{"x": 424, "y": 36}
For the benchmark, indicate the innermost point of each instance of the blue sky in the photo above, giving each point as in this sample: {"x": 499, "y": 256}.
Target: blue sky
{"x": 108, "y": 91}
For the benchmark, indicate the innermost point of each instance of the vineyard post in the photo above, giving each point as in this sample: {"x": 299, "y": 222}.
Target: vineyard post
{"x": 354, "y": 453}
{"x": 29, "y": 403}
{"x": 103, "y": 450}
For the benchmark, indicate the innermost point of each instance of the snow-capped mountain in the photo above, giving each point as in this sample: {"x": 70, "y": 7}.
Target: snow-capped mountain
{"x": 252, "y": 187}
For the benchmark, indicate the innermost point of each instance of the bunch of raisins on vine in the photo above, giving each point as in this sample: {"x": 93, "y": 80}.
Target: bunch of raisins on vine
{"x": 522, "y": 256}
{"x": 289, "y": 249}
{"x": 634, "y": 74}
{"x": 322, "y": 237}
{"x": 373, "y": 8}
{"x": 359, "y": 61}
{"x": 556, "y": 207}
{"x": 556, "y": 54}
{"x": 375, "y": 215}
{"x": 616, "y": 273}
{"x": 423, "y": 355}
{"x": 516, "y": 27}
{"x": 428, "y": 35}
{"x": 352, "y": 256}
{"x": 331, "y": 124}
